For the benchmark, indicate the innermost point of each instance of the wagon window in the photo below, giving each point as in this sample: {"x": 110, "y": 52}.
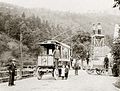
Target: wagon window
{"x": 43, "y": 51}
{"x": 50, "y": 52}
{"x": 65, "y": 52}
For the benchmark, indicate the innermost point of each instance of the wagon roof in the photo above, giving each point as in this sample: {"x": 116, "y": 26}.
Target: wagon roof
{"x": 55, "y": 42}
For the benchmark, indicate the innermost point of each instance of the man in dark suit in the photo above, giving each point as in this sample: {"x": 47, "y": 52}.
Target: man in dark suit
{"x": 11, "y": 69}
{"x": 76, "y": 67}
{"x": 106, "y": 63}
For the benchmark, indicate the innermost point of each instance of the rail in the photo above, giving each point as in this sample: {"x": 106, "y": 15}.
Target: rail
{"x": 4, "y": 75}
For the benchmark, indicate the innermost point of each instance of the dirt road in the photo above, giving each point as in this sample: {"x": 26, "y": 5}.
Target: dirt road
{"x": 82, "y": 82}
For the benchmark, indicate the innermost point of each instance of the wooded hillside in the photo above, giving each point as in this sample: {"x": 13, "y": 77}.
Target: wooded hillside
{"x": 38, "y": 25}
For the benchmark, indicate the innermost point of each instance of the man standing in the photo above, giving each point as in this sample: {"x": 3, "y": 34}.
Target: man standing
{"x": 87, "y": 58}
{"x": 76, "y": 67}
{"x": 11, "y": 69}
{"x": 106, "y": 63}
{"x": 115, "y": 70}
{"x": 56, "y": 54}
{"x": 66, "y": 72}
{"x": 99, "y": 27}
{"x": 94, "y": 28}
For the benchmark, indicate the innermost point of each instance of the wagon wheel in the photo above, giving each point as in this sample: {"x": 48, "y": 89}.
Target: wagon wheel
{"x": 90, "y": 71}
{"x": 99, "y": 71}
{"x": 39, "y": 74}
{"x": 56, "y": 74}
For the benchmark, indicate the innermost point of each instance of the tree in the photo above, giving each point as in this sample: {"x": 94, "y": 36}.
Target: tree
{"x": 80, "y": 46}
{"x": 108, "y": 40}
{"x": 116, "y": 4}
{"x": 79, "y": 51}
{"x": 2, "y": 22}
{"x": 116, "y": 46}
{"x": 116, "y": 51}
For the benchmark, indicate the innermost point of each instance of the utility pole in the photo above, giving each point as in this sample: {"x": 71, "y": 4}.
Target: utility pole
{"x": 21, "y": 45}
{"x": 21, "y": 54}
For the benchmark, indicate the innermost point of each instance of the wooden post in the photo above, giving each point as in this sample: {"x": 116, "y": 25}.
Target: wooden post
{"x": 21, "y": 57}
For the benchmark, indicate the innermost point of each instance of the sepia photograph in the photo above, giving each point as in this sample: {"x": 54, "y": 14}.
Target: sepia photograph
{"x": 59, "y": 45}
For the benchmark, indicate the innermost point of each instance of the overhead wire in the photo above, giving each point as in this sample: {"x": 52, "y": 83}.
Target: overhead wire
{"x": 66, "y": 32}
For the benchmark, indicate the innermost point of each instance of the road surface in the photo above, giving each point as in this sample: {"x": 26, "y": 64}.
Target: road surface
{"x": 82, "y": 82}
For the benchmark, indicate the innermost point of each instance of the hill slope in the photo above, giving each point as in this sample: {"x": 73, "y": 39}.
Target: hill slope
{"x": 68, "y": 19}
{"x": 42, "y": 24}
{"x": 85, "y": 21}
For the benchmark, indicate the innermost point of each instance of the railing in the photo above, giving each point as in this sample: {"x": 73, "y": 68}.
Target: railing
{"x": 4, "y": 75}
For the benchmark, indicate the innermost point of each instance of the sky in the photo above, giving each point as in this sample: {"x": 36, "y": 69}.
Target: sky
{"x": 65, "y": 5}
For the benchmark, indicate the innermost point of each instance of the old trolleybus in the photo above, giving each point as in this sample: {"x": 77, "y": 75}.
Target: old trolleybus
{"x": 46, "y": 60}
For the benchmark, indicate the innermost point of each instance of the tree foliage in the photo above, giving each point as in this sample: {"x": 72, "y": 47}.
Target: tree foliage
{"x": 81, "y": 43}
{"x": 116, "y": 51}
{"x": 116, "y": 4}
{"x": 108, "y": 40}
{"x": 33, "y": 29}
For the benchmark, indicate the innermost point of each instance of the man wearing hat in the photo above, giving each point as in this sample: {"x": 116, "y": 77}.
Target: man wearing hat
{"x": 56, "y": 54}
{"x": 11, "y": 69}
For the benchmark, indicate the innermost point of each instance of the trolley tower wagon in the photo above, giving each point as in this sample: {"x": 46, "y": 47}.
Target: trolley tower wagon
{"x": 46, "y": 62}
{"x": 98, "y": 51}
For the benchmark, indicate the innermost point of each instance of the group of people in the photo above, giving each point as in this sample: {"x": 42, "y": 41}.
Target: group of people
{"x": 115, "y": 67}
{"x": 64, "y": 72}
{"x": 64, "y": 69}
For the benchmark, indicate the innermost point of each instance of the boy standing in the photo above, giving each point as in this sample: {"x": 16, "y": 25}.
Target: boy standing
{"x": 66, "y": 72}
